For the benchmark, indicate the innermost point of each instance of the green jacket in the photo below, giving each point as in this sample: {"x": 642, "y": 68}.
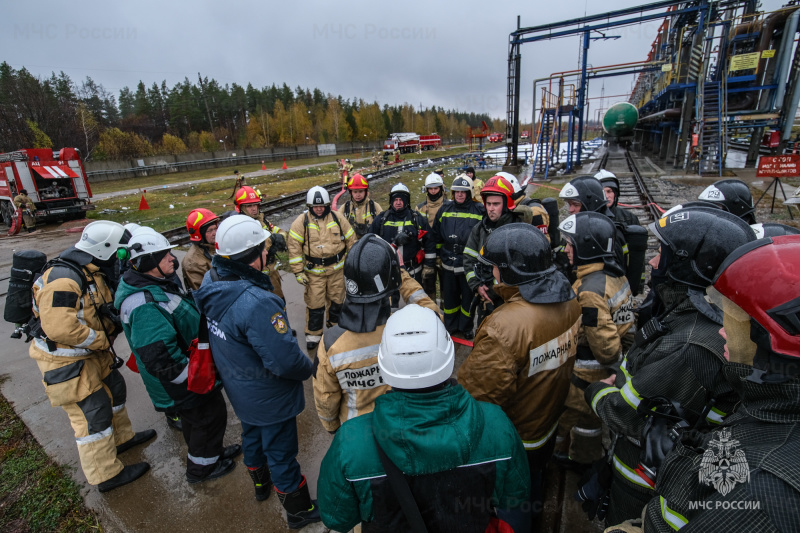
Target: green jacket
{"x": 160, "y": 322}
{"x": 428, "y": 436}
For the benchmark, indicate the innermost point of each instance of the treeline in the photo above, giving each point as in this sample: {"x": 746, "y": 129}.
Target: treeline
{"x": 200, "y": 116}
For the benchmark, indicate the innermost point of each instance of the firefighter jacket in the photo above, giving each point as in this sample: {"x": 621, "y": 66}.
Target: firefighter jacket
{"x": 742, "y": 476}
{"x": 360, "y": 216}
{"x": 23, "y": 201}
{"x": 389, "y": 224}
{"x": 160, "y": 321}
{"x": 70, "y": 321}
{"x": 451, "y": 229}
{"x": 625, "y": 216}
{"x": 429, "y": 208}
{"x": 258, "y": 359}
{"x": 196, "y": 263}
{"x": 466, "y": 462}
{"x": 540, "y": 218}
{"x": 607, "y": 311}
{"x": 684, "y": 365}
{"x": 480, "y": 232}
{"x": 316, "y": 244}
{"x": 522, "y": 361}
{"x": 346, "y": 375}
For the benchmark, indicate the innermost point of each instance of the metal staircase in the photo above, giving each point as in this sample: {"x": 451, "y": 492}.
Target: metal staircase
{"x": 711, "y": 146}
{"x": 541, "y": 163}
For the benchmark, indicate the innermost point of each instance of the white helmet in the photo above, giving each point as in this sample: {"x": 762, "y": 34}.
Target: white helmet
{"x": 239, "y": 233}
{"x": 462, "y": 183}
{"x": 433, "y": 180}
{"x": 101, "y": 239}
{"x": 604, "y": 174}
{"x": 400, "y": 188}
{"x": 416, "y": 351}
{"x": 142, "y": 229}
{"x": 512, "y": 179}
{"x": 317, "y": 196}
{"x": 569, "y": 191}
{"x": 131, "y": 227}
{"x": 148, "y": 242}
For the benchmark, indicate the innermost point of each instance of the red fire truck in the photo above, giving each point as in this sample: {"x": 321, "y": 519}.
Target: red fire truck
{"x": 55, "y": 181}
{"x": 495, "y": 137}
{"x": 411, "y": 142}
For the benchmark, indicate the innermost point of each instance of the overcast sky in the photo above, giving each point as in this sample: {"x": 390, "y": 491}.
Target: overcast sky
{"x": 452, "y": 54}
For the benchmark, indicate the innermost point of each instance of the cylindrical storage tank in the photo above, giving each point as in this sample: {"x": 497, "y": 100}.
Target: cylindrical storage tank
{"x": 620, "y": 119}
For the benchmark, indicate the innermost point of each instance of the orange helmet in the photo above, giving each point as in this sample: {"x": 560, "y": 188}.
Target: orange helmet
{"x": 197, "y": 220}
{"x": 499, "y": 186}
{"x": 357, "y": 182}
{"x": 245, "y": 195}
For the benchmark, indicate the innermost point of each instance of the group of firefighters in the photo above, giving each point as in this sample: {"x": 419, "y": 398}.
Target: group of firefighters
{"x": 690, "y": 397}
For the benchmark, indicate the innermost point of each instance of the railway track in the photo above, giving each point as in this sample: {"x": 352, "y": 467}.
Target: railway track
{"x": 180, "y": 237}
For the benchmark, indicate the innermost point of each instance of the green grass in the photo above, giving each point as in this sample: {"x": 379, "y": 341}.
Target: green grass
{"x": 36, "y": 494}
{"x": 214, "y": 195}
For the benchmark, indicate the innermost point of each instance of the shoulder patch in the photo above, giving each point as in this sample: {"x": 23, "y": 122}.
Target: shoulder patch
{"x": 331, "y": 336}
{"x": 594, "y": 282}
{"x": 279, "y": 323}
{"x": 64, "y": 299}
{"x": 589, "y": 316}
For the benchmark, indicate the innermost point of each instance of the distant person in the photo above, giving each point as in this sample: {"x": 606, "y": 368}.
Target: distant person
{"x": 202, "y": 227}
{"x": 22, "y": 201}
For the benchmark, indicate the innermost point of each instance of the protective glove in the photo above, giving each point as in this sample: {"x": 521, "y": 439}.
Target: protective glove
{"x": 279, "y": 242}
{"x": 594, "y": 492}
{"x": 403, "y": 238}
{"x": 428, "y": 272}
{"x": 302, "y": 279}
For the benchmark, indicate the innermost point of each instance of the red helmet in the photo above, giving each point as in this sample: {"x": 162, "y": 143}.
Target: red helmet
{"x": 357, "y": 182}
{"x": 245, "y": 195}
{"x": 196, "y": 221}
{"x": 761, "y": 278}
{"x": 499, "y": 186}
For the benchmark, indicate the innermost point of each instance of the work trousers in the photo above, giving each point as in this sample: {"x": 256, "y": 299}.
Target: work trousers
{"x": 457, "y": 298}
{"x": 203, "y": 430}
{"x": 275, "y": 445}
{"x": 323, "y": 290}
{"x": 585, "y": 428}
{"x": 100, "y": 421}
{"x": 537, "y": 461}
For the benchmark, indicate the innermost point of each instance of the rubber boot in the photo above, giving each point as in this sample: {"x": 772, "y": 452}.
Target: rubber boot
{"x": 129, "y": 473}
{"x": 262, "y": 481}
{"x": 300, "y": 508}
{"x": 140, "y": 437}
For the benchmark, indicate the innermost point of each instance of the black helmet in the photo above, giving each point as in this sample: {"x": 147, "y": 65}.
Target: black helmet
{"x": 371, "y": 270}
{"x": 698, "y": 239}
{"x": 522, "y": 254}
{"x": 588, "y": 191}
{"x": 734, "y": 195}
{"x": 592, "y": 236}
{"x": 773, "y": 229}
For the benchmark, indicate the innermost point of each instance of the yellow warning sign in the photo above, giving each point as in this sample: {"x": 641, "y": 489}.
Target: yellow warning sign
{"x": 745, "y": 61}
{"x": 768, "y": 53}
{"x": 666, "y": 68}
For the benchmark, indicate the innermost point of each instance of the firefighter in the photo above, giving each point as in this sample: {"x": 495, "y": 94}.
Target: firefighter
{"x": 348, "y": 167}
{"x": 409, "y": 232}
{"x": 318, "y": 243}
{"x": 606, "y": 328}
{"x": 463, "y": 462}
{"x": 677, "y": 355}
{"x": 160, "y": 320}
{"x": 202, "y": 227}
{"x": 524, "y": 351}
{"x": 396, "y": 155}
{"x": 260, "y": 364}
{"x": 247, "y": 202}
{"x": 477, "y": 184}
{"x": 22, "y": 201}
{"x": 385, "y": 157}
{"x": 500, "y": 210}
{"x": 73, "y": 347}
{"x": 434, "y": 198}
{"x": 451, "y": 229}
{"x": 360, "y": 210}
{"x": 740, "y": 477}
{"x": 540, "y": 217}
{"x": 734, "y": 195}
{"x": 346, "y": 376}
{"x": 610, "y": 185}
